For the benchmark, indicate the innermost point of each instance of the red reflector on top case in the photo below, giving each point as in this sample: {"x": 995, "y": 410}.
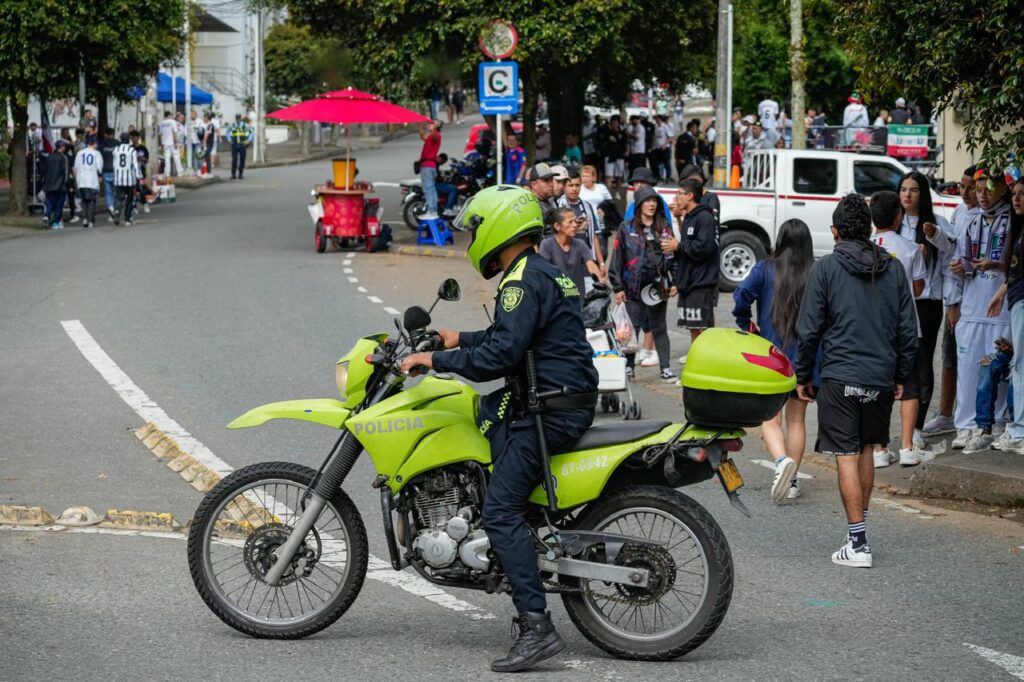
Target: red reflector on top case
{"x": 776, "y": 361}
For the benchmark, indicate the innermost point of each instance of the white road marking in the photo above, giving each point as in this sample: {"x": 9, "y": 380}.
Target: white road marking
{"x": 893, "y": 504}
{"x": 347, "y": 261}
{"x": 347, "y": 271}
{"x": 385, "y": 184}
{"x": 93, "y": 530}
{"x": 350, "y": 253}
{"x": 373, "y": 299}
{"x": 362, "y": 290}
{"x": 149, "y": 411}
{"x": 1008, "y": 662}
{"x": 353, "y": 279}
{"x": 390, "y": 311}
{"x": 771, "y": 465}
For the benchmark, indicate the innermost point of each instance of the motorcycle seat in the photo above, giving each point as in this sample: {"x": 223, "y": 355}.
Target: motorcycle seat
{"x": 613, "y": 434}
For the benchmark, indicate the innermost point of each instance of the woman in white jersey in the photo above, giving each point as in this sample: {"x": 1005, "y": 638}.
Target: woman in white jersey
{"x": 920, "y": 225}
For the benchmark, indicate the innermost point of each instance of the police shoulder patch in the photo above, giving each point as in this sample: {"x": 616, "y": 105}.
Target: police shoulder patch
{"x": 510, "y": 298}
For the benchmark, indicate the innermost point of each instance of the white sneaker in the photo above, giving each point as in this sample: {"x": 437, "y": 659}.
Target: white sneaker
{"x": 682, "y": 360}
{"x": 643, "y": 354}
{"x": 651, "y": 360}
{"x": 908, "y": 457}
{"x": 668, "y": 376}
{"x": 145, "y": 207}
{"x": 963, "y": 436}
{"x": 924, "y": 455}
{"x": 1012, "y": 445}
{"x": 74, "y": 221}
{"x": 784, "y": 471}
{"x": 978, "y": 443}
{"x": 998, "y": 429}
{"x": 429, "y": 215}
{"x": 938, "y": 425}
{"x": 884, "y": 458}
{"x": 793, "y": 492}
{"x": 848, "y": 556}
{"x": 918, "y": 439}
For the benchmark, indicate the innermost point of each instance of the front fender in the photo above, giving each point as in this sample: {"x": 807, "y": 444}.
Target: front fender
{"x": 324, "y": 411}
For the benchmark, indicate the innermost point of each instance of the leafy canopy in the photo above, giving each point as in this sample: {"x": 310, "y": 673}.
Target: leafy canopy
{"x": 967, "y": 55}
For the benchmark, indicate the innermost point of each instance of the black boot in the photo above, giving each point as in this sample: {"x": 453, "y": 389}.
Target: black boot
{"x": 537, "y": 640}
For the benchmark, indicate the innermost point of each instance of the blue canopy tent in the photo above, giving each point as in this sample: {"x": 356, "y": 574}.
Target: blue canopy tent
{"x": 163, "y": 91}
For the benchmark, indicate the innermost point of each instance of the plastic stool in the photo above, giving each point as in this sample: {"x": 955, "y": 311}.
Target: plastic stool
{"x": 434, "y": 231}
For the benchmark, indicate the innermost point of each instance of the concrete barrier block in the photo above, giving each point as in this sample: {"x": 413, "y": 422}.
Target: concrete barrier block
{"x": 19, "y": 515}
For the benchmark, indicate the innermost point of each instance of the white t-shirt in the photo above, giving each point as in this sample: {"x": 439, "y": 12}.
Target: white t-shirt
{"x": 168, "y": 131}
{"x": 88, "y": 167}
{"x": 595, "y": 196}
{"x": 711, "y": 134}
{"x": 855, "y": 115}
{"x": 768, "y": 110}
{"x": 907, "y": 253}
{"x": 933, "y": 280}
{"x": 639, "y": 144}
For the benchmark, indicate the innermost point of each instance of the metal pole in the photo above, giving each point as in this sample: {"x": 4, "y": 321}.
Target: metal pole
{"x": 721, "y": 172}
{"x": 81, "y": 91}
{"x": 258, "y": 95}
{"x": 728, "y": 100}
{"x": 501, "y": 161}
{"x": 188, "y": 103}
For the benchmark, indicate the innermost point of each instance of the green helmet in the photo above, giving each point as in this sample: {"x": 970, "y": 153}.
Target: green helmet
{"x": 496, "y": 217}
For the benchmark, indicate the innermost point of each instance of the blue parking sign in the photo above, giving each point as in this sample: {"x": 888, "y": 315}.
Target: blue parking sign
{"x": 498, "y": 88}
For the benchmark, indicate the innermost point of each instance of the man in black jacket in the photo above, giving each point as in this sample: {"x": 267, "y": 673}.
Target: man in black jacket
{"x": 858, "y": 307}
{"x": 696, "y": 258}
{"x": 56, "y": 185}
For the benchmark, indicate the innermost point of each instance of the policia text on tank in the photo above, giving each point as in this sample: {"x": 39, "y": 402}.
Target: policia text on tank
{"x": 538, "y": 344}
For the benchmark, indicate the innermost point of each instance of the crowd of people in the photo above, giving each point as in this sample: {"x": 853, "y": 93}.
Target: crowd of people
{"x": 87, "y": 163}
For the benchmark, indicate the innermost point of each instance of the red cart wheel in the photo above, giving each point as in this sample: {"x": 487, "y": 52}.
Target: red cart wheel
{"x": 319, "y": 241}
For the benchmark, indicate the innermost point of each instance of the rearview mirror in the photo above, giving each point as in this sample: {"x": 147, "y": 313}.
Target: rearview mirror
{"x": 415, "y": 318}
{"x": 449, "y": 290}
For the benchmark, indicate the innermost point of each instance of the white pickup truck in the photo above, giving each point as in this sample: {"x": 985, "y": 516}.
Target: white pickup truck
{"x": 781, "y": 184}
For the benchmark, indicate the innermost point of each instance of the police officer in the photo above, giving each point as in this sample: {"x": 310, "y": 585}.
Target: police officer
{"x": 240, "y": 134}
{"x": 537, "y": 308}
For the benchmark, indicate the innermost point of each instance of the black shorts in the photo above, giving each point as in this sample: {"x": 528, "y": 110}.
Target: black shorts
{"x": 948, "y": 348}
{"x": 851, "y": 418}
{"x": 697, "y": 308}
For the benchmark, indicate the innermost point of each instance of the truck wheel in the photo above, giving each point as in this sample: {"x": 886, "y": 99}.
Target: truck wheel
{"x": 740, "y": 251}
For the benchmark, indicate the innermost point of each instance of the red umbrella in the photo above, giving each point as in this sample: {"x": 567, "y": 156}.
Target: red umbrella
{"x": 348, "y": 107}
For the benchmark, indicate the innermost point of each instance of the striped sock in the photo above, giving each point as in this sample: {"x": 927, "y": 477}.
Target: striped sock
{"x": 865, "y": 516}
{"x": 858, "y": 534}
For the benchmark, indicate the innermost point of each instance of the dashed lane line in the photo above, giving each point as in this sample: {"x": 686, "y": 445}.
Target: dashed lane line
{"x": 347, "y": 271}
{"x": 353, "y": 280}
{"x": 769, "y": 465}
{"x": 146, "y": 408}
{"x": 362, "y": 290}
{"x": 391, "y": 311}
{"x": 373, "y": 299}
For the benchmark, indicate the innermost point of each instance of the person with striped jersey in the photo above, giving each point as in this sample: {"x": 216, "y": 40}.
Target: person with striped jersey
{"x": 126, "y": 177}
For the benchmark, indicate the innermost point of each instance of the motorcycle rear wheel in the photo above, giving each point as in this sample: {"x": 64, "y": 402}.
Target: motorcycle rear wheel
{"x": 242, "y": 521}
{"x": 691, "y": 577}
{"x": 411, "y": 212}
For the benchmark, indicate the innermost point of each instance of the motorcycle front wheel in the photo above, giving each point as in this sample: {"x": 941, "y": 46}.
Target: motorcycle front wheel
{"x": 232, "y": 542}
{"x": 691, "y": 576}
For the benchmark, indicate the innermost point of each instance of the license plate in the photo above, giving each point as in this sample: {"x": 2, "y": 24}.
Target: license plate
{"x": 730, "y": 476}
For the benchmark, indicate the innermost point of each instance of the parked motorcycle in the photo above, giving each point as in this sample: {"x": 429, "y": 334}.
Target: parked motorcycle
{"x": 469, "y": 177}
{"x": 279, "y": 550}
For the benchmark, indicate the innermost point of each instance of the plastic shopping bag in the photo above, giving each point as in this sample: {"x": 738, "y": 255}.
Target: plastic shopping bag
{"x": 624, "y": 330}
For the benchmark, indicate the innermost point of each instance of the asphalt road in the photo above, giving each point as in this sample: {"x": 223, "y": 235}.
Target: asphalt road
{"x": 218, "y": 303}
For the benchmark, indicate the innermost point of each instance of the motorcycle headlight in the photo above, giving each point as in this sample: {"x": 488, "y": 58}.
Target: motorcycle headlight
{"x": 341, "y": 377}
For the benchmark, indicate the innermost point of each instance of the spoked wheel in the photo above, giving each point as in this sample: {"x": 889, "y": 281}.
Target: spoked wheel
{"x": 691, "y": 576}
{"x": 240, "y": 525}
{"x": 411, "y": 212}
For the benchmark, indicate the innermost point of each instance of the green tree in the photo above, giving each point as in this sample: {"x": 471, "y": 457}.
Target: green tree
{"x": 761, "y": 54}
{"x": 563, "y": 47}
{"x": 44, "y": 42}
{"x": 968, "y": 56}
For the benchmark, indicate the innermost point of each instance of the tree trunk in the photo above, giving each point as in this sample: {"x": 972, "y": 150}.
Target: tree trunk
{"x": 101, "y": 115}
{"x": 565, "y": 93}
{"x": 797, "y": 71}
{"x": 17, "y": 202}
{"x": 304, "y": 138}
{"x": 531, "y": 82}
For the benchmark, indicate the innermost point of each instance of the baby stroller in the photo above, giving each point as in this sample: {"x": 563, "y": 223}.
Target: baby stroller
{"x": 609, "y": 359}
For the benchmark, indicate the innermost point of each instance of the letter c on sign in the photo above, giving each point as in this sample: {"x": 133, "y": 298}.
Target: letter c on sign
{"x": 497, "y": 81}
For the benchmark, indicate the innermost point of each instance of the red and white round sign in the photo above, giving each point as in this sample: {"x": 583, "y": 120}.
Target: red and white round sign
{"x": 498, "y": 39}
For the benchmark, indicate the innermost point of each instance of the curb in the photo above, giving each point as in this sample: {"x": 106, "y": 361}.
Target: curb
{"x": 201, "y": 477}
{"x": 949, "y": 481}
{"x": 430, "y": 251}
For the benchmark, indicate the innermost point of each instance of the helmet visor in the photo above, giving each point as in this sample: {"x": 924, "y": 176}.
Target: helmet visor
{"x": 467, "y": 222}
